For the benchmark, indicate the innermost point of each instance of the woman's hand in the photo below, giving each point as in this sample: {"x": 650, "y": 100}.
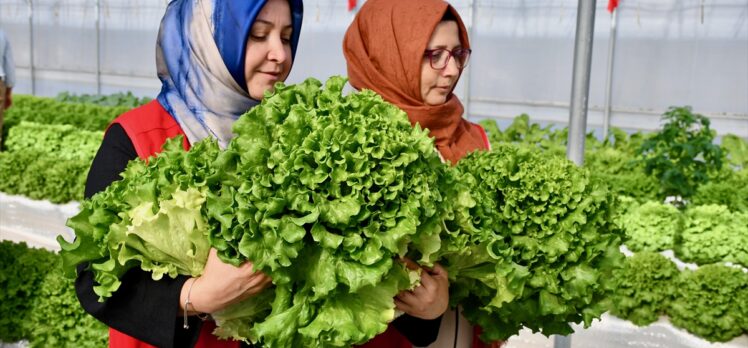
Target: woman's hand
{"x": 430, "y": 299}
{"x": 222, "y": 285}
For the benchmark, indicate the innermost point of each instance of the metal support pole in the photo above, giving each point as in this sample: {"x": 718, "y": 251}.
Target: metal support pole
{"x": 609, "y": 77}
{"x": 561, "y": 341}
{"x": 98, "y": 47}
{"x": 580, "y": 86}
{"x": 31, "y": 47}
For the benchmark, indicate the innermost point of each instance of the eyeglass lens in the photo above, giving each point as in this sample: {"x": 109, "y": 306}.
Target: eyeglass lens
{"x": 440, "y": 57}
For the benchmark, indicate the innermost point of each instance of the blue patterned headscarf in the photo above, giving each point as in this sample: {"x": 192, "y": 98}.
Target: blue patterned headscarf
{"x": 200, "y": 61}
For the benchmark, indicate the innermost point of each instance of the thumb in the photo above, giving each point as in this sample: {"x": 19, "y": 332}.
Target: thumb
{"x": 409, "y": 263}
{"x": 439, "y": 272}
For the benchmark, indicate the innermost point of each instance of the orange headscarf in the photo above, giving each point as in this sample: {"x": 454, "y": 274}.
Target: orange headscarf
{"x": 384, "y": 49}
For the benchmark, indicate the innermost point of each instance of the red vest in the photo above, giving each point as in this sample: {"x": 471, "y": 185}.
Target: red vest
{"x": 148, "y": 127}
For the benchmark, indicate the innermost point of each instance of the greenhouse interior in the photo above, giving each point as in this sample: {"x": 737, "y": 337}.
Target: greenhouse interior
{"x": 591, "y": 190}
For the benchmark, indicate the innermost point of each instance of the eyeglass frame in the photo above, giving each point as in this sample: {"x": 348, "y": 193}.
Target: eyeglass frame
{"x": 451, "y": 54}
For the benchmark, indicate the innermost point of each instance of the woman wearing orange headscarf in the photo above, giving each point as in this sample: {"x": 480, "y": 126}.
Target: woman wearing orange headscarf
{"x": 412, "y": 53}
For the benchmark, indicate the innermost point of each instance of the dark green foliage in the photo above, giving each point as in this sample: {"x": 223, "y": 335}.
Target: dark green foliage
{"x": 711, "y": 302}
{"x": 40, "y": 305}
{"x": 729, "y": 189}
{"x": 623, "y": 176}
{"x": 49, "y": 162}
{"x": 651, "y": 226}
{"x": 57, "y": 317}
{"x": 736, "y": 149}
{"x": 49, "y": 111}
{"x": 712, "y": 233}
{"x": 62, "y": 141}
{"x": 22, "y": 271}
{"x": 681, "y": 155}
{"x": 42, "y": 175}
{"x": 643, "y": 287}
{"x": 611, "y": 161}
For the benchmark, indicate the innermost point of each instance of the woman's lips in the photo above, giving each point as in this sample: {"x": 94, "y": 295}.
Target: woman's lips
{"x": 271, "y": 75}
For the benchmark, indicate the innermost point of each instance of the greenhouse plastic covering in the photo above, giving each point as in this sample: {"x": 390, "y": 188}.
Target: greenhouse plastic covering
{"x": 669, "y": 52}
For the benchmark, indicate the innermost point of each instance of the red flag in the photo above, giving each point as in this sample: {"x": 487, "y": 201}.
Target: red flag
{"x": 351, "y": 5}
{"x": 612, "y": 4}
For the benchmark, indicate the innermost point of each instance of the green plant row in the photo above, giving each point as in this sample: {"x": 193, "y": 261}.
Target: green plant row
{"x": 710, "y": 302}
{"x": 40, "y": 304}
{"x": 701, "y": 234}
{"x": 126, "y": 99}
{"x": 50, "y": 111}
{"x": 730, "y": 189}
{"x": 44, "y": 161}
{"x": 42, "y": 175}
{"x": 63, "y": 141}
{"x": 681, "y": 159}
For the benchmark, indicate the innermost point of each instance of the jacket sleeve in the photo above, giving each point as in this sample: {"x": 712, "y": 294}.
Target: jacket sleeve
{"x": 142, "y": 307}
{"x": 420, "y": 332}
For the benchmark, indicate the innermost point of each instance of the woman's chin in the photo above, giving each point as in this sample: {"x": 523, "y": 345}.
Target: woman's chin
{"x": 436, "y": 100}
{"x": 259, "y": 95}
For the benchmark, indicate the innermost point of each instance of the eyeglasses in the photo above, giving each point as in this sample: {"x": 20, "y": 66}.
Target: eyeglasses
{"x": 439, "y": 58}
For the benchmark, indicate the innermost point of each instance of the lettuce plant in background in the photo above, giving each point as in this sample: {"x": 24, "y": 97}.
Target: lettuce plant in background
{"x": 736, "y": 149}
{"x": 651, "y": 226}
{"x": 49, "y": 111}
{"x": 710, "y": 302}
{"x": 58, "y": 320}
{"x": 21, "y": 273}
{"x": 729, "y": 189}
{"x": 623, "y": 175}
{"x": 644, "y": 286}
{"x": 524, "y": 133}
{"x": 611, "y": 161}
{"x": 713, "y": 233}
{"x": 543, "y": 247}
{"x": 42, "y": 175}
{"x": 64, "y": 141}
{"x": 43, "y": 307}
{"x": 44, "y": 161}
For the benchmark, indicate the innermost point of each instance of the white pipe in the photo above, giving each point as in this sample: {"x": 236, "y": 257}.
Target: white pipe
{"x": 580, "y": 86}
{"x": 98, "y": 47}
{"x": 471, "y": 34}
{"x": 31, "y": 47}
{"x": 609, "y": 75}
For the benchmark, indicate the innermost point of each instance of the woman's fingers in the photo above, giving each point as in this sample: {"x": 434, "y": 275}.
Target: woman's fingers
{"x": 427, "y": 281}
{"x": 439, "y": 272}
{"x": 410, "y": 264}
{"x": 431, "y": 298}
{"x": 402, "y": 306}
{"x": 222, "y": 284}
{"x": 407, "y": 297}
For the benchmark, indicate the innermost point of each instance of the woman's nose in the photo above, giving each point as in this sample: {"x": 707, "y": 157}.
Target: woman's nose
{"x": 451, "y": 69}
{"x": 277, "y": 51}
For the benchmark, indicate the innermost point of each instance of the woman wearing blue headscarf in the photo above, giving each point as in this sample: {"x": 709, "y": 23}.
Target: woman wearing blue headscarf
{"x": 215, "y": 59}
